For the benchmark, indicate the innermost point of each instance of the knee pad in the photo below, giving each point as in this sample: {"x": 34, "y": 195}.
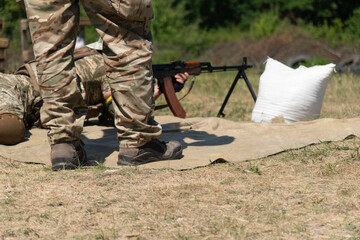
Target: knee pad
{"x": 12, "y": 129}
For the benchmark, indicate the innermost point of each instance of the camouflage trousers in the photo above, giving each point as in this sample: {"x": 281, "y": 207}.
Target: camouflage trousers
{"x": 124, "y": 27}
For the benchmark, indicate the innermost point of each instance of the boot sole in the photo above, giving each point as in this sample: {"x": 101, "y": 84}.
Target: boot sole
{"x": 63, "y": 166}
{"x": 145, "y": 158}
{"x": 69, "y": 165}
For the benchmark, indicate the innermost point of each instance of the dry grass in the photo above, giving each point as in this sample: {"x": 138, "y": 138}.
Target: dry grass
{"x": 310, "y": 193}
{"x": 209, "y": 92}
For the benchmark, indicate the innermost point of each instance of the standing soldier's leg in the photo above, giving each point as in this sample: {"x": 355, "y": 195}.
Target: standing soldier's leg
{"x": 124, "y": 27}
{"x": 53, "y": 27}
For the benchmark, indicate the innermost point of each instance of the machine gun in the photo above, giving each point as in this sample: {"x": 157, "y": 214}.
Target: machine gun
{"x": 165, "y": 73}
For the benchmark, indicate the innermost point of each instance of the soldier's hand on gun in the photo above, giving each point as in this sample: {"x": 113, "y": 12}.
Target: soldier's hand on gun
{"x": 178, "y": 81}
{"x": 182, "y": 77}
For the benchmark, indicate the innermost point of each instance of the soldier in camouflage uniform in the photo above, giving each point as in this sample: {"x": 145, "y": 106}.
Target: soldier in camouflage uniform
{"x": 124, "y": 28}
{"x": 21, "y": 99}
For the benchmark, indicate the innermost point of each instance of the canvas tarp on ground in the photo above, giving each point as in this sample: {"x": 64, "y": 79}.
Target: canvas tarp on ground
{"x": 205, "y": 140}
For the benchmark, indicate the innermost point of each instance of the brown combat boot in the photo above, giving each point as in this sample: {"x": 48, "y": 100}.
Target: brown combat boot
{"x": 68, "y": 155}
{"x": 152, "y": 151}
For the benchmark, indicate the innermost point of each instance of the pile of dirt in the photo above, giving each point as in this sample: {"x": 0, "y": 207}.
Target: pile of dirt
{"x": 285, "y": 48}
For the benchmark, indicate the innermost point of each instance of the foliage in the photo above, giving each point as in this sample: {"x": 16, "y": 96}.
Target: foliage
{"x": 266, "y": 25}
{"x": 353, "y": 25}
{"x": 168, "y": 21}
{"x": 211, "y": 21}
{"x": 12, "y": 13}
{"x": 175, "y": 37}
{"x": 186, "y": 28}
{"x": 213, "y": 13}
{"x": 337, "y": 31}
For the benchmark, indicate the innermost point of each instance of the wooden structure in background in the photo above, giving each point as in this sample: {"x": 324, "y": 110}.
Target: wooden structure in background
{"x": 27, "y": 54}
{"x": 4, "y": 44}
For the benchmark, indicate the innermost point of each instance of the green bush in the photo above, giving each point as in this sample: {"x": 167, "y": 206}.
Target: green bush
{"x": 11, "y": 12}
{"x": 353, "y": 26}
{"x": 265, "y": 25}
{"x": 337, "y": 32}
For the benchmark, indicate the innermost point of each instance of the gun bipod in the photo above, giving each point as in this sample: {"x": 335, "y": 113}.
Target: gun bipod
{"x": 241, "y": 74}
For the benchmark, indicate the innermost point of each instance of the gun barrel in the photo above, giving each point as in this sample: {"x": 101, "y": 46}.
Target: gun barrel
{"x": 225, "y": 68}
{"x": 193, "y": 68}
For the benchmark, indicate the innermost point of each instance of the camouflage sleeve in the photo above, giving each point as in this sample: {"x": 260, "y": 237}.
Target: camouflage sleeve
{"x": 16, "y": 94}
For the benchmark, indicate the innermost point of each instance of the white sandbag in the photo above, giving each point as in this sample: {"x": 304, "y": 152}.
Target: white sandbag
{"x": 294, "y": 94}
